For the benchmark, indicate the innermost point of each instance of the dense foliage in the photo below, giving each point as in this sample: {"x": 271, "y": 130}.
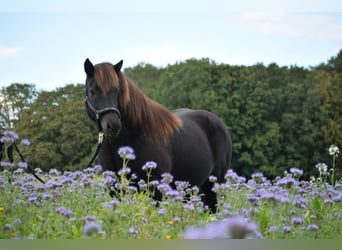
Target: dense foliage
{"x": 279, "y": 117}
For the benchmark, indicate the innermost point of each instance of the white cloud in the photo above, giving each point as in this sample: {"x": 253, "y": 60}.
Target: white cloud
{"x": 9, "y": 52}
{"x": 321, "y": 26}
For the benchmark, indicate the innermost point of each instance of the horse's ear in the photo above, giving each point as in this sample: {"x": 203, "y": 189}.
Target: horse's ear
{"x": 118, "y": 66}
{"x": 89, "y": 68}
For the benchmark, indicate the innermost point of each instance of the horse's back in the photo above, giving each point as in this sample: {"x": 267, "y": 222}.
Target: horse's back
{"x": 209, "y": 136}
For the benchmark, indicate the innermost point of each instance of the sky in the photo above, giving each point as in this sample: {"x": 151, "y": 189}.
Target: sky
{"x": 46, "y": 42}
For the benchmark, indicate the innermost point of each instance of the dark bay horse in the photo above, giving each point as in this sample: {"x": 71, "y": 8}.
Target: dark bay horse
{"x": 189, "y": 144}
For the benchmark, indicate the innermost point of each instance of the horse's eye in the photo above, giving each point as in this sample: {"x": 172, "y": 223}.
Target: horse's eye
{"x": 92, "y": 92}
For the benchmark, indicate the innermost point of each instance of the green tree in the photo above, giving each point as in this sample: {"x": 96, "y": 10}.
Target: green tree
{"x": 14, "y": 99}
{"x": 61, "y": 134}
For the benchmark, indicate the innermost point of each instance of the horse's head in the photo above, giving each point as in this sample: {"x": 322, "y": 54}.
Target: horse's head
{"x": 102, "y": 91}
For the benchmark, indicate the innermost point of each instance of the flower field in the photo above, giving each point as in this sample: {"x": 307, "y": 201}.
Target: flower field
{"x": 73, "y": 205}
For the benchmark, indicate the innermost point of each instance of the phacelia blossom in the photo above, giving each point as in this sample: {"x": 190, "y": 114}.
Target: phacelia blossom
{"x": 149, "y": 166}
{"x": 296, "y": 172}
{"x": 23, "y": 164}
{"x": 233, "y": 228}
{"x": 322, "y": 168}
{"x": 287, "y": 229}
{"x": 25, "y": 142}
{"x": 64, "y": 211}
{"x": 286, "y": 182}
{"x": 312, "y": 227}
{"x": 92, "y": 228}
{"x": 126, "y": 152}
{"x": 258, "y": 177}
{"x": 300, "y": 201}
{"x": 297, "y": 221}
{"x": 167, "y": 178}
{"x": 9, "y": 137}
{"x": 212, "y": 178}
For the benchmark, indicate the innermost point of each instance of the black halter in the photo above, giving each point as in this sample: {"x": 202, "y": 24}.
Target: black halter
{"x": 101, "y": 112}
{"x": 98, "y": 114}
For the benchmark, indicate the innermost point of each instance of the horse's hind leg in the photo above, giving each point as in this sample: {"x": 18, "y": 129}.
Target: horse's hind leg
{"x": 210, "y": 197}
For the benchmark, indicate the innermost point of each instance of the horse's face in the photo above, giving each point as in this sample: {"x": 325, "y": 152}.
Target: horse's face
{"x": 102, "y": 103}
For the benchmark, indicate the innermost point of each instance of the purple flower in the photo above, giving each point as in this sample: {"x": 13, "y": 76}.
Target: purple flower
{"x": 161, "y": 211}
{"x": 64, "y": 211}
{"x": 312, "y": 227}
{"x": 133, "y": 230}
{"x": 50, "y": 184}
{"x": 7, "y": 227}
{"x": 258, "y": 177}
{"x": 126, "y": 152}
{"x": 149, "y": 166}
{"x": 299, "y": 201}
{"x": 66, "y": 180}
{"x": 167, "y": 178}
{"x": 233, "y": 228}
{"x": 176, "y": 219}
{"x": 297, "y": 221}
{"x": 108, "y": 173}
{"x": 9, "y": 137}
{"x": 132, "y": 189}
{"x": 272, "y": 229}
{"x": 38, "y": 171}
{"x": 296, "y": 172}
{"x": 25, "y": 142}
{"x": 338, "y": 215}
{"x": 86, "y": 182}
{"x": 322, "y": 168}
{"x": 18, "y": 171}
{"x": 124, "y": 171}
{"x": 6, "y": 164}
{"x": 154, "y": 183}
{"x": 181, "y": 185}
{"x": 92, "y": 228}
{"x": 253, "y": 199}
{"x": 287, "y": 229}
{"x": 88, "y": 218}
{"x": 112, "y": 204}
{"x": 54, "y": 171}
{"x": 88, "y": 170}
{"x": 163, "y": 188}
{"x": 231, "y": 176}
{"x": 174, "y": 194}
{"x": 23, "y": 164}
{"x": 98, "y": 169}
{"x": 189, "y": 206}
{"x": 286, "y": 182}
{"x": 142, "y": 184}
{"x": 212, "y": 178}
{"x": 17, "y": 221}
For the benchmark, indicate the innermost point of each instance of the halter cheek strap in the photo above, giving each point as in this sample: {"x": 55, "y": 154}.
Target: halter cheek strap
{"x": 98, "y": 114}
{"x": 101, "y": 112}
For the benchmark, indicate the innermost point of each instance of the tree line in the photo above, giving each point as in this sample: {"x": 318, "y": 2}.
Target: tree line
{"x": 279, "y": 117}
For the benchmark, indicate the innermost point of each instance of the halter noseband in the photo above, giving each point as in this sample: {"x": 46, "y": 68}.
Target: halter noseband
{"x": 101, "y": 112}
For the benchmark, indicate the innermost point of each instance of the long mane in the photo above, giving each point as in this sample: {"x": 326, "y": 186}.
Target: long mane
{"x": 141, "y": 112}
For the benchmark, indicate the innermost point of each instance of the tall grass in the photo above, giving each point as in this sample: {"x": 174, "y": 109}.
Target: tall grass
{"x": 77, "y": 204}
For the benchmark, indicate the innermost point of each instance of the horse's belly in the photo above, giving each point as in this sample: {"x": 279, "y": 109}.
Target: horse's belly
{"x": 192, "y": 160}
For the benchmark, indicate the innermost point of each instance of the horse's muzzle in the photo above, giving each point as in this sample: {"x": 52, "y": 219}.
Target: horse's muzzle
{"x": 111, "y": 125}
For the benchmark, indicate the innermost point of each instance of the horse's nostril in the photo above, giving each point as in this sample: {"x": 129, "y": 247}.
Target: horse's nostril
{"x": 113, "y": 127}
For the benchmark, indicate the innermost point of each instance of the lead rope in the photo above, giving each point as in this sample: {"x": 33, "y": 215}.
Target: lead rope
{"x": 99, "y": 144}
{"x": 28, "y": 166}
